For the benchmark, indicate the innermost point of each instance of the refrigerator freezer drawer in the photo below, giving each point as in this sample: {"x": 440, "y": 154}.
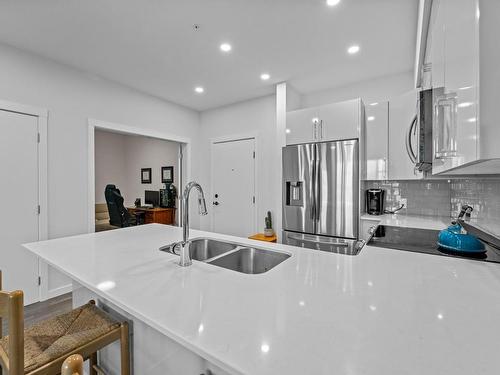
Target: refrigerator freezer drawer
{"x": 329, "y": 244}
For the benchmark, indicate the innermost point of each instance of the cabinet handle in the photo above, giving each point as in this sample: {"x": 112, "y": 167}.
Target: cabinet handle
{"x": 315, "y": 128}
{"x": 445, "y": 126}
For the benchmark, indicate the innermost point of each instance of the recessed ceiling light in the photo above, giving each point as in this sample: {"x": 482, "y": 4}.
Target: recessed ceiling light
{"x": 353, "y": 49}
{"x": 288, "y": 131}
{"x": 199, "y": 90}
{"x": 265, "y": 76}
{"x": 465, "y": 104}
{"x": 332, "y": 3}
{"x": 225, "y": 47}
{"x": 374, "y": 103}
{"x": 472, "y": 119}
{"x": 371, "y": 118}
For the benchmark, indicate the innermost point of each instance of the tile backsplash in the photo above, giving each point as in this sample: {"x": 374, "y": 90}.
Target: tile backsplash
{"x": 442, "y": 197}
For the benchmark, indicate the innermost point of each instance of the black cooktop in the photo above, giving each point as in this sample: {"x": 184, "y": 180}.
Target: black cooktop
{"x": 423, "y": 241}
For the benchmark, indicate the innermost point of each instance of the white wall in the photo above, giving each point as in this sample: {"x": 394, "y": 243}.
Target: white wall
{"x": 110, "y": 165}
{"x": 120, "y": 157}
{"x": 258, "y": 117}
{"x": 72, "y": 97}
{"x": 379, "y": 89}
{"x": 151, "y": 153}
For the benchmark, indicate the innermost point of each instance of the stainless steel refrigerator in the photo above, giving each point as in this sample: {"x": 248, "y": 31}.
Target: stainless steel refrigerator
{"x": 321, "y": 196}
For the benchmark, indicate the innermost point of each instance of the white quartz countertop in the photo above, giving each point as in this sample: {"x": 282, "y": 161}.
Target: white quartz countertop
{"x": 381, "y": 312}
{"x": 410, "y": 221}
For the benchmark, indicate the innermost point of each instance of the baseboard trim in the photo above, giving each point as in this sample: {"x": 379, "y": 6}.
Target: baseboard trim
{"x": 59, "y": 291}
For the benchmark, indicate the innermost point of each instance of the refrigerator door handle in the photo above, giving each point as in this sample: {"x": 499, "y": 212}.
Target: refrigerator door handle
{"x": 317, "y": 191}
{"x": 312, "y": 196}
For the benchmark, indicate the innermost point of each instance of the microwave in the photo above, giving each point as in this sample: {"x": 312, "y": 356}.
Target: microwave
{"x": 419, "y": 140}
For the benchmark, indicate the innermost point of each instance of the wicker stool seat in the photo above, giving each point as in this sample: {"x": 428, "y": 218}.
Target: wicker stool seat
{"x": 58, "y": 336}
{"x": 50, "y": 346}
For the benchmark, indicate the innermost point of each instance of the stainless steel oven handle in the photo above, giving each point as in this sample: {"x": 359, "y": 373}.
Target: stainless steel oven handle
{"x": 300, "y": 239}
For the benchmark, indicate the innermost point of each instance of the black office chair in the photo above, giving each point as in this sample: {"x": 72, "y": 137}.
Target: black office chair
{"x": 118, "y": 214}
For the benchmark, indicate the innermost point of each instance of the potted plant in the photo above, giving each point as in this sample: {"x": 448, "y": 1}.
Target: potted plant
{"x": 268, "y": 230}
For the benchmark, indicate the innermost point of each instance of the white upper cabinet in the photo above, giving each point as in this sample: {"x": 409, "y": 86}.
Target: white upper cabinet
{"x": 462, "y": 47}
{"x": 330, "y": 122}
{"x": 402, "y": 112}
{"x": 302, "y": 126}
{"x": 436, "y": 43}
{"x": 454, "y": 67}
{"x": 341, "y": 120}
{"x": 377, "y": 134}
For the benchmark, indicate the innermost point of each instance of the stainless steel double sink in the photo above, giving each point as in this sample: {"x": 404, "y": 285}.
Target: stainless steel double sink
{"x": 230, "y": 255}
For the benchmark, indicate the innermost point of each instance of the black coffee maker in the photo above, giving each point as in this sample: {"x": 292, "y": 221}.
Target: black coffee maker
{"x": 375, "y": 199}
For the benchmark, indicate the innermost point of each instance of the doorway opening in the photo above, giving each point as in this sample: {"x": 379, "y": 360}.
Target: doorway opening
{"x": 135, "y": 176}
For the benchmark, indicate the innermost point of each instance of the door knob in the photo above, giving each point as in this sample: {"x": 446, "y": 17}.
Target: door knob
{"x": 215, "y": 203}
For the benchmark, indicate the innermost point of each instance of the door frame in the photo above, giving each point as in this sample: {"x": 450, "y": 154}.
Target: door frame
{"x": 42, "y": 115}
{"x": 94, "y": 124}
{"x": 234, "y": 138}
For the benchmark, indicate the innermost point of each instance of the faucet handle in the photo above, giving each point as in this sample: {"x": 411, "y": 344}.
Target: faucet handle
{"x": 202, "y": 206}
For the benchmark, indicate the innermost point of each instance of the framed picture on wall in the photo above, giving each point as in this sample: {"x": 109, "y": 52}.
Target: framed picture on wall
{"x": 146, "y": 175}
{"x": 167, "y": 175}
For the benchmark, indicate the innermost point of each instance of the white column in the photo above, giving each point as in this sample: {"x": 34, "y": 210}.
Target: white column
{"x": 280, "y": 142}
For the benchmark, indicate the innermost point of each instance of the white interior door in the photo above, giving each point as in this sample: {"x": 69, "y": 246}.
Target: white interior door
{"x": 233, "y": 182}
{"x": 19, "y": 191}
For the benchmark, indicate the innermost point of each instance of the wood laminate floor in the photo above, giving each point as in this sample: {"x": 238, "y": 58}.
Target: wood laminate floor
{"x": 44, "y": 310}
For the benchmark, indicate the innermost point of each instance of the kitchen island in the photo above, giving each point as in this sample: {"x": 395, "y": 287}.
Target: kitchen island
{"x": 380, "y": 312}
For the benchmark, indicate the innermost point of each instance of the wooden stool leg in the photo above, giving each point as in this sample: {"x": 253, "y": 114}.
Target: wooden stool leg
{"x": 73, "y": 365}
{"x": 92, "y": 363}
{"x": 125, "y": 349}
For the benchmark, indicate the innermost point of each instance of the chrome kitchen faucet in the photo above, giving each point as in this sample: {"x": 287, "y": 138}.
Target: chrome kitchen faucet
{"x": 185, "y": 257}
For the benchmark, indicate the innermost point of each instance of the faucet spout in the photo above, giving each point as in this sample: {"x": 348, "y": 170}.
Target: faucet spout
{"x": 185, "y": 257}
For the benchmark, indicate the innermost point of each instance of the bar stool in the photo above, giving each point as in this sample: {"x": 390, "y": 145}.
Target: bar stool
{"x": 73, "y": 365}
{"x": 42, "y": 348}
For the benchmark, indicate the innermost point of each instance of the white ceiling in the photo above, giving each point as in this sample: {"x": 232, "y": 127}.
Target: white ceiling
{"x": 151, "y": 45}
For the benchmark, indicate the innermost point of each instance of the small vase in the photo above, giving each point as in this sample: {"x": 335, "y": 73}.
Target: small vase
{"x": 268, "y": 232}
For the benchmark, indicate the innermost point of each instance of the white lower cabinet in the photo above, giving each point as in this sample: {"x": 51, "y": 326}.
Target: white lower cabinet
{"x": 377, "y": 141}
{"x": 402, "y": 112}
{"x": 153, "y": 353}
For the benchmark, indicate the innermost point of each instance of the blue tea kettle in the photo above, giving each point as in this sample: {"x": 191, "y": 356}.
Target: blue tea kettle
{"x": 455, "y": 238}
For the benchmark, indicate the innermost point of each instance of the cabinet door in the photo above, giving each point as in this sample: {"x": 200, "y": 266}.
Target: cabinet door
{"x": 402, "y": 111}
{"x": 436, "y": 43}
{"x": 461, "y": 66}
{"x": 377, "y": 137}
{"x": 340, "y": 120}
{"x": 300, "y": 126}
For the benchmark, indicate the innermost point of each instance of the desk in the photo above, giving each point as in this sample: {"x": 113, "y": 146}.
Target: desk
{"x": 156, "y": 215}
